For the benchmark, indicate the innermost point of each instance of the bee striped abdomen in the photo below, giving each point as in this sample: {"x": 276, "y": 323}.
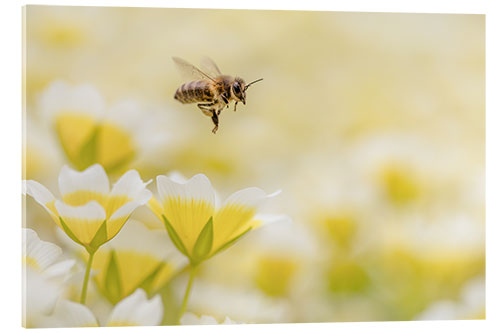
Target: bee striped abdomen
{"x": 193, "y": 92}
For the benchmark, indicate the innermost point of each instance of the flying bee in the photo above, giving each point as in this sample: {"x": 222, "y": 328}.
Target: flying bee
{"x": 213, "y": 91}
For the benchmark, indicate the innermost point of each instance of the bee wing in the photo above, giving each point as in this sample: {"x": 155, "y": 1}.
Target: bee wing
{"x": 210, "y": 67}
{"x": 190, "y": 71}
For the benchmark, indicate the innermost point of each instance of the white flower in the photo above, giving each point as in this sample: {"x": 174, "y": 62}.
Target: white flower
{"x": 135, "y": 310}
{"x": 69, "y": 314}
{"x": 470, "y": 306}
{"x": 87, "y": 202}
{"x": 189, "y": 207}
{"x": 43, "y": 278}
{"x": 117, "y": 134}
{"x": 191, "y": 319}
{"x": 38, "y": 254}
{"x": 60, "y": 97}
{"x": 248, "y": 305}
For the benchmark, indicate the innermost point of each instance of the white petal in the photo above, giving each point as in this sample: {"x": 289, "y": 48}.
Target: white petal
{"x": 43, "y": 253}
{"x": 441, "y": 310}
{"x": 40, "y": 296}
{"x": 91, "y": 211}
{"x": 177, "y": 177}
{"x": 192, "y": 319}
{"x": 136, "y": 309}
{"x": 69, "y": 314}
{"x": 128, "y": 114}
{"x": 93, "y": 179}
{"x": 229, "y": 321}
{"x": 273, "y": 218}
{"x": 251, "y": 197}
{"x": 282, "y": 235}
{"x": 60, "y": 96}
{"x": 197, "y": 188}
{"x": 141, "y": 199}
{"x": 130, "y": 184}
{"x": 38, "y": 192}
{"x": 124, "y": 210}
{"x": 249, "y": 305}
{"x": 60, "y": 270}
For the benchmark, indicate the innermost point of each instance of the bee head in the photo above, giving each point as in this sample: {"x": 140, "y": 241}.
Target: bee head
{"x": 238, "y": 90}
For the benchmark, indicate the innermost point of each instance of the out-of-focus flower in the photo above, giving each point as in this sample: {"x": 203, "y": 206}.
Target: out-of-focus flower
{"x": 471, "y": 305}
{"x": 43, "y": 278}
{"x": 88, "y": 212}
{"x": 282, "y": 255}
{"x": 134, "y": 310}
{"x": 427, "y": 263}
{"x": 197, "y": 228}
{"x": 192, "y": 319}
{"x": 90, "y": 132}
{"x": 136, "y": 258}
{"x": 69, "y": 314}
{"x": 247, "y": 305}
{"x": 38, "y": 254}
{"x": 274, "y": 275}
{"x": 342, "y": 227}
{"x": 40, "y": 153}
{"x": 347, "y": 276}
{"x": 137, "y": 310}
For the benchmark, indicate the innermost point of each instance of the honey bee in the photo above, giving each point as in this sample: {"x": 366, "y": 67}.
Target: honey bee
{"x": 212, "y": 90}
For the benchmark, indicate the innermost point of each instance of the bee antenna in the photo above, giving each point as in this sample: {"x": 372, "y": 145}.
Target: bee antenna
{"x": 248, "y": 85}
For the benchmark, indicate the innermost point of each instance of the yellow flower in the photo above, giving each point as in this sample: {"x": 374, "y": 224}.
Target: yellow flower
{"x": 88, "y": 212}
{"x": 197, "y": 228}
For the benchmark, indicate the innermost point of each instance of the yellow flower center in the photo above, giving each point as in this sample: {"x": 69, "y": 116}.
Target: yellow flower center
{"x": 86, "y": 141}
{"x": 74, "y": 130}
{"x": 110, "y": 203}
{"x": 400, "y": 184}
{"x": 231, "y": 221}
{"x": 133, "y": 269}
{"x": 116, "y": 148}
{"x": 274, "y": 275}
{"x": 187, "y": 217}
{"x": 342, "y": 228}
{"x": 31, "y": 262}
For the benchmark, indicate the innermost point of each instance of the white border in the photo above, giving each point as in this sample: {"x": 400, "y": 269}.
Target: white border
{"x": 11, "y": 153}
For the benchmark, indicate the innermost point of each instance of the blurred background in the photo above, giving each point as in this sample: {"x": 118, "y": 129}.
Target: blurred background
{"x": 371, "y": 124}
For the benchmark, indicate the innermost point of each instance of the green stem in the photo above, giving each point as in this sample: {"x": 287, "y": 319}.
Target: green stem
{"x": 186, "y": 294}
{"x": 86, "y": 279}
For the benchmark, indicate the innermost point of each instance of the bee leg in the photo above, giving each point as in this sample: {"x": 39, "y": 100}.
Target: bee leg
{"x": 205, "y": 108}
{"x": 236, "y": 103}
{"x": 215, "y": 119}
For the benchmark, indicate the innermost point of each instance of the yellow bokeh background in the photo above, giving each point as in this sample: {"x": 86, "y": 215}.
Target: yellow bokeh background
{"x": 371, "y": 124}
